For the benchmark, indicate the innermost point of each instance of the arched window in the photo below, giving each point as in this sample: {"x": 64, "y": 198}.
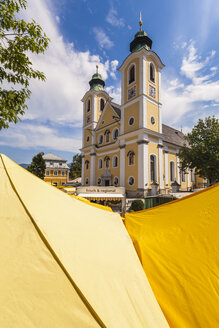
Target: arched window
{"x": 100, "y": 141}
{"x": 131, "y": 157}
{"x": 107, "y": 161}
{"x": 88, "y": 105}
{"x": 132, "y": 74}
{"x": 172, "y": 171}
{"x": 115, "y": 161}
{"x": 102, "y": 104}
{"x": 115, "y": 134}
{"x": 87, "y": 164}
{"x": 115, "y": 181}
{"x": 152, "y": 72}
{"x": 153, "y": 168}
{"x": 107, "y": 134}
{"x": 100, "y": 164}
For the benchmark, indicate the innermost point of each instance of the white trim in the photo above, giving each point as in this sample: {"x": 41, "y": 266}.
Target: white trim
{"x": 141, "y": 75}
{"x": 160, "y": 167}
{"x": 142, "y": 166}
{"x": 173, "y": 170}
{"x": 113, "y": 162}
{"x": 94, "y": 109}
{"x": 131, "y": 176}
{"x": 149, "y": 73}
{"x": 156, "y": 165}
{"x": 123, "y": 88}
{"x": 133, "y": 121}
{"x": 114, "y": 179}
{"x": 92, "y": 170}
{"x": 122, "y": 167}
{"x": 131, "y": 141}
{"x": 122, "y": 121}
{"x": 160, "y": 101}
{"x": 131, "y": 102}
{"x": 100, "y": 168}
{"x": 82, "y": 171}
{"x": 166, "y": 169}
{"x": 189, "y": 178}
{"x": 108, "y": 152}
{"x": 128, "y": 70}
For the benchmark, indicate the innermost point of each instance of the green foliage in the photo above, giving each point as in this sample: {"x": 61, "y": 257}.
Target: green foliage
{"x": 137, "y": 205}
{"x": 203, "y": 150}
{"x": 37, "y": 166}
{"x": 75, "y": 168}
{"x": 16, "y": 39}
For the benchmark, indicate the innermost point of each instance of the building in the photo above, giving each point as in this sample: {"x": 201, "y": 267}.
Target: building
{"x": 57, "y": 170}
{"x": 127, "y": 145}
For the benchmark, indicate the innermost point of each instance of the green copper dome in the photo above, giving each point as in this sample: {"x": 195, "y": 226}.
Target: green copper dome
{"x": 141, "y": 39}
{"x": 97, "y": 83}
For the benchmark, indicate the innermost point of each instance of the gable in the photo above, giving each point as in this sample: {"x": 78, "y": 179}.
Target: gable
{"x": 109, "y": 116}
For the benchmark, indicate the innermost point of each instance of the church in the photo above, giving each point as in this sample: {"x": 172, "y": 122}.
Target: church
{"x": 127, "y": 145}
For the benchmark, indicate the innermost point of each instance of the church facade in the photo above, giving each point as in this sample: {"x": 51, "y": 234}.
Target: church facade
{"x": 127, "y": 145}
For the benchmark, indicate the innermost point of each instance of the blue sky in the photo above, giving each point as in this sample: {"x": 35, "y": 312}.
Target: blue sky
{"x": 83, "y": 33}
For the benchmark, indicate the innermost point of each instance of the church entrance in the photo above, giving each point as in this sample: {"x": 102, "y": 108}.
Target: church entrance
{"x": 106, "y": 178}
{"x": 107, "y": 183}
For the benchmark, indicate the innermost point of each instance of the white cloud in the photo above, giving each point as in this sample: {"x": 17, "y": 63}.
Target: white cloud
{"x": 115, "y": 93}
{"x": 112, "y": 18}
{"x": 29, "y": 136}
{"x": 114, "y": 64}
{"x": 180, "y": 99}
{"x": 102, "y": 39}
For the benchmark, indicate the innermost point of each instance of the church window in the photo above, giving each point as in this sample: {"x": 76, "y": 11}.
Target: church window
{"x": 100, "y": 139}
{"x": 131, "y": 181}
{"x": 55, "y": 173}
{"x": 115, "y": 181}
{"x": 63, "y": 173}
{"x": 172, "y": 171}
{"x": 99, "y": 181}
{"x": 107, "y": 161}
{"x": 131, "y": 121}
{"x": 88, "y": 105}
{"x": 107, "y": 134}
{"x": 102, "y": 104}
{"x": 47, "y": 172}
{"x": 131, "y": 157}
{"x": 153, "y": 168}
{"x": 152, "y": 120}
{"x": 115, "y": 134}
{"x": 115, "y": 161}
{"x": 87, "y": 164}
{"x": 100, "y": 164}
{"x": 86, "y": 181}
{"x": 132, "y": 74}
{"x": 88, "y": 138}
{"x": 152, "y": 73}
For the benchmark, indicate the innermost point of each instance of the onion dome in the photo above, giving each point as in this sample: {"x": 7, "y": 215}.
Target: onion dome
{"x": 141, "y": 40}
{"x": 97, "y": 83}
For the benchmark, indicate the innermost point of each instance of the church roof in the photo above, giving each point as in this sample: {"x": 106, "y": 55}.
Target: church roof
{"x": 173, "y": 136}
{"x": 117, "y": 110}
{"x": 52, "y": 157}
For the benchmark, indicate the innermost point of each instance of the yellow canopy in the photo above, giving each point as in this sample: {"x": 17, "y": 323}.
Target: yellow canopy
{"x": 64, "y": 263}
{"x": 178, "y": 245}
{"x": 82, "y": 199}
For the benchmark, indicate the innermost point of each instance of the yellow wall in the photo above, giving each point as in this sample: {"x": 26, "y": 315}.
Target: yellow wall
{"x": 152, "y": 150}
{"x": 99, "y": 112}
{"x": 115, "y": 171}
{"x": 86, "y": 134}
{"x": 131, "y": 170}
{"x": 136, "y": 83}
{"x": 152, "y": 110}
{"x": 156, "y": 84}
{"x": 131, "y": 111}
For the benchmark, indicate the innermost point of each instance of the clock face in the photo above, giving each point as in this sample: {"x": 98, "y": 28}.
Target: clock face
{"x": 132, "y": 92}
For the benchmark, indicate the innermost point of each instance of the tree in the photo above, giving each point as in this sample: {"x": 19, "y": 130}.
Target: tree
{"x": 37, "y": 166}
{"x": 16, "y": 39}
{"x": 137, "y": 205}
{"x": 203, "y": 151}
{"x": 75, "y": 168}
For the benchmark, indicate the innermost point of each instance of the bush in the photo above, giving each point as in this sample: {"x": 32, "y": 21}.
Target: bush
{"x": 137, "y": 205}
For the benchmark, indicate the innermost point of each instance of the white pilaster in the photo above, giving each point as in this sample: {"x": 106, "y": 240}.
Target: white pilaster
{"x": 166, "y": 169}
{"x": 178, "y": 168}
{"x": 160, "y": 154}
{"x": 160, "y": 102}
{"x": 82, "y": 171}
{"x": 122, "y": 88}
{"x": 122, "y": 121}
{"x": 188, "y": 178}
{"x": 122, "y": 166}
{"x": 92, "y": 169}
{"x": 94, "y": 108}
{"x": 144, "y": 75}
{"x": 143, "y": 164}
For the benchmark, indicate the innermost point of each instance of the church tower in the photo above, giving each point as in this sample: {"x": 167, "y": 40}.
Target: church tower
{"x": 94, "y": 102}
{"x": 141, "y": 109}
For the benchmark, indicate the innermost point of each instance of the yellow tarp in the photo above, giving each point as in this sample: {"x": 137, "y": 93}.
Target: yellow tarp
{"x": 102, "y": 207}
{"x": 178, "y": 245}
{"x": 64, "y": 263}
